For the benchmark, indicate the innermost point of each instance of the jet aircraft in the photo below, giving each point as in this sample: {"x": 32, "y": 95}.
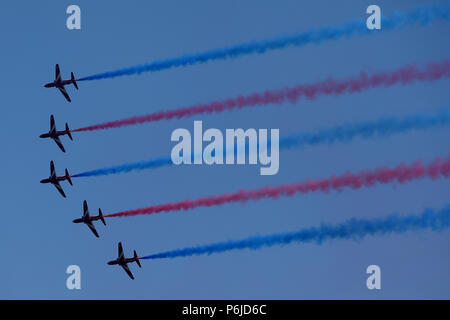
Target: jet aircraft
{"x": 88, "y": 219}
{"x": 122, "y": 261}
{"x": 55, "y": 134}
{"x": 60, "y": 83}
{"x": 54, "y": 179}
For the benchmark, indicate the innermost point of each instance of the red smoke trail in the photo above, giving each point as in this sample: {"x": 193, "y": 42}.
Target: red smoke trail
{"x": 367, "y": 178}
{"x": 403, "y": 75}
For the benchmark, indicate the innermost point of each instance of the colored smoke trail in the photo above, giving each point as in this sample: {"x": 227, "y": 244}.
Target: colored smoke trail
{"x": 366, "y": 178}
{"x": 404, "y": 75}
{"x": 344, "y": 133}
{"x": 354, "y": 229}
{"x": 384, "y": 127}
{"x": 419, "y": 15}
{"x": 127, "y": 167}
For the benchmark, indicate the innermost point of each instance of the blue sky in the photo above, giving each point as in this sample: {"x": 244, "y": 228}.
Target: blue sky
{"x": 38, "y": 239}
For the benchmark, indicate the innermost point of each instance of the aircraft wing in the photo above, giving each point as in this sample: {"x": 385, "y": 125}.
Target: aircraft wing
{"x": 52, "y": 169}
{"x": 64, "y": 92}
{"x": 57, "y": 73}
{"x": 120, "y": 250}
{"x": 59, "y": 143}
{"x": 85, "y": 209}
{"x": 91, "y": 226}
{"x": 58, "y": 186}
{"x": 52, "y": 124}
{"x": 127, "y": 270}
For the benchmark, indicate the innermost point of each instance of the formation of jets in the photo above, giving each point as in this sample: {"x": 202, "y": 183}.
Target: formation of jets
{"x": 54, "y": 134}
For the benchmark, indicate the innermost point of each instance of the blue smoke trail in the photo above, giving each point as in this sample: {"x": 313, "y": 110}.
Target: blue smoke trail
{"x": 370, "y": 129}
{"x": 345, "y": 133}
{"x": 420, "y": 15}
{"x": 352, "y": 229}
{"x": 127, "y": 167}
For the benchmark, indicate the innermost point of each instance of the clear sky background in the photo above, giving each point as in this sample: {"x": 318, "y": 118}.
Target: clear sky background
{"x": 37, "y": 237}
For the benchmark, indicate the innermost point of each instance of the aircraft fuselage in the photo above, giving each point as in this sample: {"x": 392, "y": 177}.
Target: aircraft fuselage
{"x": 53, "y": 179}
{"x": 53, "y": 134}
{"x": 79, "y": 220}
{"x": 58, "y": 84}
{"x": 83, "y": 219}
{"x": 117, "y": 261}
{"x": 121, "y": 261}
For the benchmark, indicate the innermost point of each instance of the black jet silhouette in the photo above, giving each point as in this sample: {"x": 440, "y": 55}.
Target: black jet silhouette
{"x": 87, "y": 219}
{"x": 55, "y": 134}
{"x": 54, "y": 179}
{"x": 60, "y": 83}
{"x": 122, "y": 261}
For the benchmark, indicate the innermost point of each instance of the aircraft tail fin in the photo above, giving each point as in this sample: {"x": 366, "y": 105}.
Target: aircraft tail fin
{"x": 72, "y": 77}
{"x": 68, "y": 132}
{"x": 101, "y": 216}
{"x": 136, "y": 258}
{"x": 68, "y": 177}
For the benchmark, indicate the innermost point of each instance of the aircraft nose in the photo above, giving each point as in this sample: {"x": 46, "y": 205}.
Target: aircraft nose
{"x": 41, "y": 136}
